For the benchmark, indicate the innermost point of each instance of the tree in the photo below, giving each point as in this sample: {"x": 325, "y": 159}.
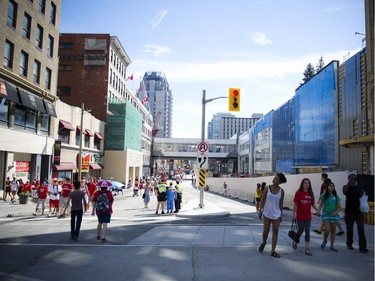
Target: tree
{"x": 320, "y": 64}
{"x": 308, "y": 73}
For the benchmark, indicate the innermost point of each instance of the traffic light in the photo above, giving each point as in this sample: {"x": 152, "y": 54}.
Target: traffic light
{"x": 234, "y": 99}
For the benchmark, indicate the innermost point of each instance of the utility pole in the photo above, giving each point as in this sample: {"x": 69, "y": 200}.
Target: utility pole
{"x": 80, "y": 145}
{"x": 204, "y": 101}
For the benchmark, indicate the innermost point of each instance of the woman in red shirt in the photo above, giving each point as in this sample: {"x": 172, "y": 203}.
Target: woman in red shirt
{"x": 303, "y": 201}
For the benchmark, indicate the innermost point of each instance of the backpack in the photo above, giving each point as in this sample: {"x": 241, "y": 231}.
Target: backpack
{"x": 102, "y": 203}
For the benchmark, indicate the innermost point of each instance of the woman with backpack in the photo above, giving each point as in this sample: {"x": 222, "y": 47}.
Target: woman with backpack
{"x": 102, "y": 206}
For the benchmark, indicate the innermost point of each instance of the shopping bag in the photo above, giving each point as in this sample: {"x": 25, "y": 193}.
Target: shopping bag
{"x": 363, "y": 203}
{"x": 293, "y": 232}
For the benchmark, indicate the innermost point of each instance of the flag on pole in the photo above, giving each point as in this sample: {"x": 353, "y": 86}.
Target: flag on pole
{"x": 130, "y": 77}
{"x": 145, "y": 100}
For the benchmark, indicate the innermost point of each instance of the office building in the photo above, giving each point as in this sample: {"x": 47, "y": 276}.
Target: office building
{"x": 28, "y": 76}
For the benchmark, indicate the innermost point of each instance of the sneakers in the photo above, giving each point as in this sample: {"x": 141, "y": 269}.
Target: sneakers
{"x": 350, "y": 247}
{"x": 98, "y": 237}
{"x": 364, "y": 250}
{"x": 340, "y": 233}
{"x": 317, "y": 231}
{"x": 104, "y": 240}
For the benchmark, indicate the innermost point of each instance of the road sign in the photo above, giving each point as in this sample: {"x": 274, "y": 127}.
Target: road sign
{"x": 202, "y": 178}
{"x": 202, "y": 161}
{"x": 202, "y": 146}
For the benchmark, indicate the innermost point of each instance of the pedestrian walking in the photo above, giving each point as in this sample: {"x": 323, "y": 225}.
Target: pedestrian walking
{"x": 225, "y": 186}
{"x": 146, "y": 194}
{"x": 353, "y": 214}
{"x": 330, "y": 203}
{"x": 14, "y": 189}
{"x": 258, "y": 196}
{"x": 42, "y": 192}
{"x": 7, "y": 190}
{"x": 77, "y": 197}
{"x": 303, "y": 201}
{"x": 66, "y": 188}
{"x": 271, "y": 207}
{"x": 102, "y": 206}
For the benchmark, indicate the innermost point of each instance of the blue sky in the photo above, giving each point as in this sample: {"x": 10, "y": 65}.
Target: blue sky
{"x": 259, "y": 46}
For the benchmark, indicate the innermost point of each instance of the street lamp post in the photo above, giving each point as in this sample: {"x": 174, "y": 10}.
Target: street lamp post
{"x": 204, "y": 101}
{"x": 80, "y": 145}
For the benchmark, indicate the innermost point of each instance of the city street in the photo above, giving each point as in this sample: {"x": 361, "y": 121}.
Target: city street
{"x": 145, "y": 246}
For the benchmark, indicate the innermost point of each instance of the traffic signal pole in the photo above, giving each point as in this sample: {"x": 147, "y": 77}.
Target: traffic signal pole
{"x": 204, "y": 101}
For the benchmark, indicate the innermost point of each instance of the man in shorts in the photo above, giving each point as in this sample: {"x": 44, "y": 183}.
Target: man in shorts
{"x": 66, "y": 188}
{"x": 54, "y": 198}
{"x": 14, "y": 188}
{"x": 104, "y": 217}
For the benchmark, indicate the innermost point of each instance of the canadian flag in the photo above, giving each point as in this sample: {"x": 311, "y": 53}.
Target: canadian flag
{"x": 145, "y": 100}
{"x": 130, "y": 77}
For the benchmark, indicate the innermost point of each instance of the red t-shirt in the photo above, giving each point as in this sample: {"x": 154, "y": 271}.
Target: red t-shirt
{"x": 304, "y": 202}
{"x": 42, "y": 192}
{"x": 26, "y": 187}
{"x": 92, "y": 188}
{"x": 110, "y": 198}
{"x": 66, "y": 189}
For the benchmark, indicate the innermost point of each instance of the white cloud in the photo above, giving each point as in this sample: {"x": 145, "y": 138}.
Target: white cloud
{"x": 259, "y": 38}
{"x": 333, "y": 9}
{"x": 158, "y": 18}
{"x": 156, "y": 50}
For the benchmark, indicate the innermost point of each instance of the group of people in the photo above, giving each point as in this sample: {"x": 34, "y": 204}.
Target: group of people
{"x": 169, "y": 196}
{"x": 269, "y": 204}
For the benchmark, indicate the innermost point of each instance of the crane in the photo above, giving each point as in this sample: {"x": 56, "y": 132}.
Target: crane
{"x": 156, "y": 126}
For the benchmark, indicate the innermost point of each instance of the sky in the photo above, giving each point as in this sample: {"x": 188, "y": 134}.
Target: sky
{"x": 259, "y": 46}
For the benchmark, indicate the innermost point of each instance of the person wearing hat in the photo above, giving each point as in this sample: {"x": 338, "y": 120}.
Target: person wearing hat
{"x": 54, "y": 197}
{"x": 161, "y": 193}
{"x": 102, "y": 206}
{"x": 171, "y": 194}
{"x": 178, "y": 198}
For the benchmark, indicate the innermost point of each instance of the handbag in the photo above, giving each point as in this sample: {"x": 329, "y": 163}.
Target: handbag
{"x": 363, "y": 203}
{"x": 144, "y": 195}
{"x": 293, "y": 232}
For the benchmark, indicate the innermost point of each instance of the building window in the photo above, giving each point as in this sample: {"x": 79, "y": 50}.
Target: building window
{"x": 39, "y": 37}
{"x": 63, "y": 135}
{"x": 63, "y": 45}
{"x": 87, "y": 140}
{"x": 62, "y": 90}
{"x": 26, "y": 26}
{"x": 12, "y": 14}
{"x": 42, "y": 6}
{"x": 50, "y": 46}
{"x": 97, "y": 143}
{"x": 65, "y": 67}
{"x": 52, "y": 14}
{"x": 36, "y": 72}
{"x": 48, "y": 79}
{"x": 4, "y": 109}
{"x": 8, "y": 54}
{"x": 24, "y": 61}
{"x": 78, "y": 137}
{"x": 44, "y": 123}
{"x": 25, "y": 119}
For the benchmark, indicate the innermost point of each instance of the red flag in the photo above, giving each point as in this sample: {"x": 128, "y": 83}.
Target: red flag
{"x": 145, "y": 100}
{"x": 130, "y": 77}
{"x": 140, "y": 89}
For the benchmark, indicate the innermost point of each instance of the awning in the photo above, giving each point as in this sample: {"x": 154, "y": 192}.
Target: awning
{"x": 98, "y": 136}
{"x": 88, "y": 132}
{"x": 50, "y": 108}
{"x": 66, "y": 125}
{"x": 9, "y": 92}
{"x": 66, "y": 166}
{"x": 79, "y": 130}
{"x": 32, "y": 101}
{"x": 95, "y": 166}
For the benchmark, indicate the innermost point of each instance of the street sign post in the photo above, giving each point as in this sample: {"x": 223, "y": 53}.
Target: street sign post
{"x": 202, "y": 162}
{"x": 202, "y": 178}
{"x": 202, "y": 146}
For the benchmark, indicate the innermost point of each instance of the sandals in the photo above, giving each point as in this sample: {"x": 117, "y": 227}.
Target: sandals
{"x": 307, "y": 252}
{"x": 261, "y": 247}
{"x": 294, "y": 245}
{"x": 275, "y": 255}
{"x": 333, "y": 249}
{"x": 323, "y": 245}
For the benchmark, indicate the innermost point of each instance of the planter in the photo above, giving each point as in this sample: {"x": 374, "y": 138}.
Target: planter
{"x": 23, "y": 199}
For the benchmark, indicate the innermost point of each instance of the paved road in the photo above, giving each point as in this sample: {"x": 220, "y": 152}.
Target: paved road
{"x": 145, "y": 246}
